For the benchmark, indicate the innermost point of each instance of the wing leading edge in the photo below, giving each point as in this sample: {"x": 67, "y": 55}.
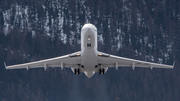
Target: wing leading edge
{"x": 114, "y": 61}
{"x": 62, "y": 61}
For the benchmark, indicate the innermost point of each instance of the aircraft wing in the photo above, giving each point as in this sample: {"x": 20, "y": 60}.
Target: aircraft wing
{"x": 108, "y": 60}
{"x": 62, "y": 61}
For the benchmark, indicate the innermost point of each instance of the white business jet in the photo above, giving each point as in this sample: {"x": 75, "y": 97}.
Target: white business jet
{"x": 89, "y": 60}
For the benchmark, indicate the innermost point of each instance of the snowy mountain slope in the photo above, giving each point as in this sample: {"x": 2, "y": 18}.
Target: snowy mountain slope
{"x": 145, "y": 30}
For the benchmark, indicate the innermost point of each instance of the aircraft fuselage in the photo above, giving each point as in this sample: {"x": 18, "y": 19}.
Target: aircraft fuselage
{"x": 89, "y": 51}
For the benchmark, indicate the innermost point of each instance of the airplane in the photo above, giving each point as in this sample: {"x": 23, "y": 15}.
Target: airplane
{"x": 89, "y": 60}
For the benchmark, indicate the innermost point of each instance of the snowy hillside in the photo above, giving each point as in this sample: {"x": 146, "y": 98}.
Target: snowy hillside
{"x": 141, "y": 29}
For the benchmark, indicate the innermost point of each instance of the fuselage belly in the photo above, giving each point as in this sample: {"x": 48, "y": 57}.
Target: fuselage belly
{"x": 89, "y": 49}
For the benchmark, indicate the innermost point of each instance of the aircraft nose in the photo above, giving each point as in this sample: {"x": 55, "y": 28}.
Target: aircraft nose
{"x": 87, "y": 30}
{"x": 89, "y": 74}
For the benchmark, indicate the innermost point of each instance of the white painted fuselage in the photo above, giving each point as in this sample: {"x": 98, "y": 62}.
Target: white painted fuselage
{"x": 89, "y": 51}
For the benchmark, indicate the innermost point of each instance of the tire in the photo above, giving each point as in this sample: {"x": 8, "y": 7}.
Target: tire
{"x": 75, "y": 71}
{"x": 103, "y": 71}
{"x": 78, "y": 72}
{"x": 99, "y": 70}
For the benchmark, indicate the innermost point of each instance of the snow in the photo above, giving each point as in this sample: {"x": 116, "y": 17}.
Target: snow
{"x": 166, "y": 55}
{"x": 149, "y": 58}
{"x": 145, "y": 40}
{"x": 169, "y": 47}
{"x": 71, "y": 39}
{"x": 20, "y": 16}
{"x": 46, "y": 24}
{"x": 7, "y": 26}
{"x": 33, "y": 33}
{"x": 139, "y": 19}
{"x": 150, "y": 45}
{"x": 118, "y": 40}
{"x": 100, "y": 39}
{"x": 52, "y": 28}
{"x": 27, "y": 17}
{"x": 87, "y": 15}
{"x": 78, "y": 29}
{"x": 63, "y": 37}
{"x": 160, "y": 60}
{"x": 43, "y": 7}
{"x": 60, "y": 22}
{"x": 51, "y": 25}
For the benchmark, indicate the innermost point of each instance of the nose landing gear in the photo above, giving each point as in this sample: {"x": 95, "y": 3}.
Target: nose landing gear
{"x": 88, "y": 45}
{"x": 82, "y": 66}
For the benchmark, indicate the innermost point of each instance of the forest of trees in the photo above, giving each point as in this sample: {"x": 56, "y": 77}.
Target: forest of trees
{"x": 147, "y": 30}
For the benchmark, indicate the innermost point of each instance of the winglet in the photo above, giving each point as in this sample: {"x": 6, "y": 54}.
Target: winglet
{"x": 5, "y": 65}
{"x": 173, "y": 65}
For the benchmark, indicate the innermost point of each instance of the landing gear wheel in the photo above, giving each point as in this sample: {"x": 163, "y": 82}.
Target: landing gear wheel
{"x": 101, "y": 71}
{"x": 76, "y": 71}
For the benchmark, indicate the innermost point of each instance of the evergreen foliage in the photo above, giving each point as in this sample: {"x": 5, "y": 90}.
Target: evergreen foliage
{"x": 32, "y": 30}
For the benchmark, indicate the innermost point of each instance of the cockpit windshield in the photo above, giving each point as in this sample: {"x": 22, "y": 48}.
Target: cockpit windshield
{"x": 89, "y": 25}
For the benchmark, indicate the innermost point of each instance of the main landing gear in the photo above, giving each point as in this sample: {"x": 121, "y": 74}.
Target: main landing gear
{"x": 77, "y": 71}
{"x": 101, "y": 71}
